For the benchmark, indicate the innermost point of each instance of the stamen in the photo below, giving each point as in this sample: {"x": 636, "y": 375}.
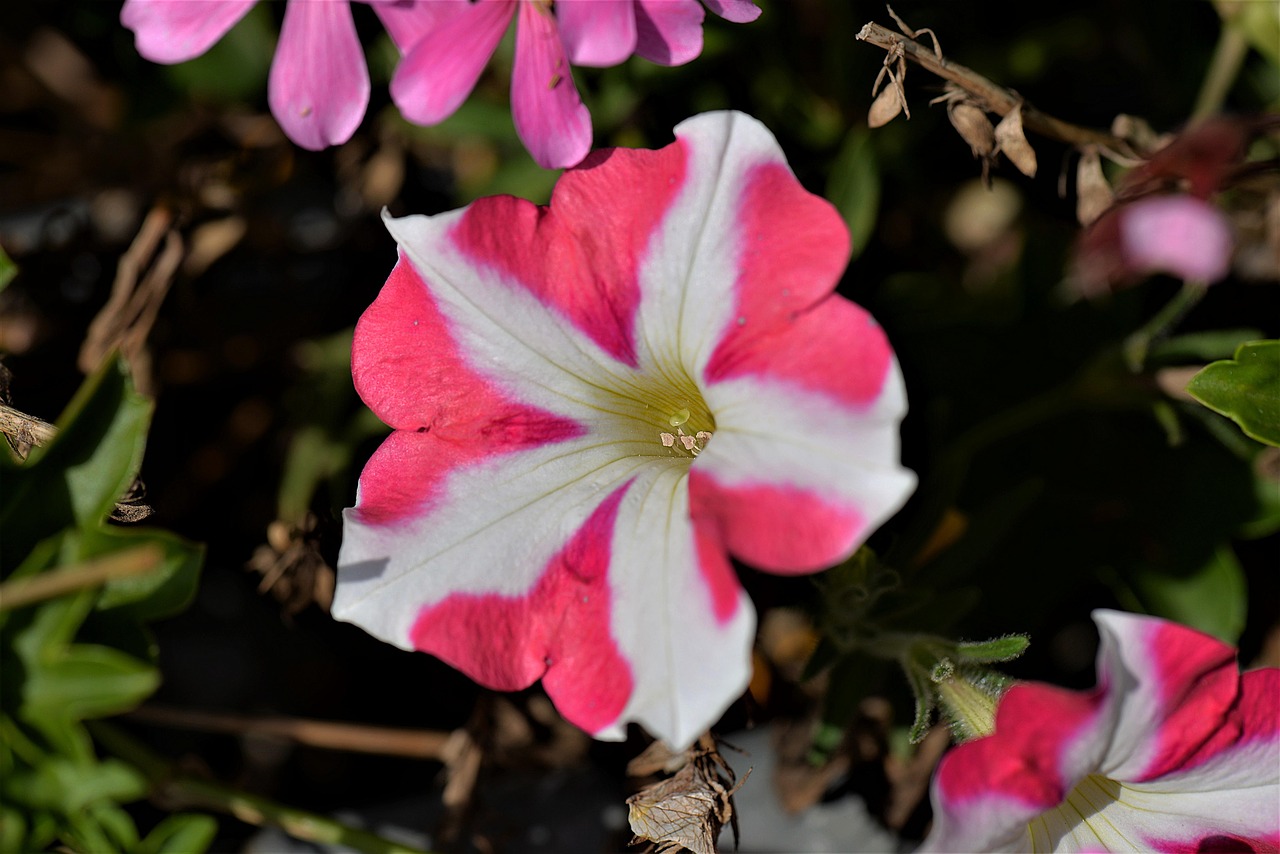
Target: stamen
{"x": 668, "y": 440}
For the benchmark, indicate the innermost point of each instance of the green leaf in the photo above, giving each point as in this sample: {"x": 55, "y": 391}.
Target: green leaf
{"x": 13, "y": 829}
{"x": 235, "y": 68}
{"x": 1245, "y": 389}
{"x": 8, "y": 270}
{"x": 77, "y": 478}
{"x": 164, "y": 591}
{"x": 184, "y": 833}
{"x": 1201, "y": 346}
{"x": 1212, "y": 599}
{"x": 854, "y": 186}
{"x": 87, "y": 681}
{"x": 66, "y": 786}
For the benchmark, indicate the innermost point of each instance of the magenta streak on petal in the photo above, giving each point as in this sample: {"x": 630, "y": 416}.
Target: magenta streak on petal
{"x": 669, "y": 32}
{"x": 786, "y": 322}
{"x": 558, "y": 632}
{"x": 716, "y": 572}
{"x": 1198, "y": 681}
{"x": 1217, "y": 843}
{"x": 567, "y": 255}
{"x": 777, "y": 528}
{"x": 409, "y": 369}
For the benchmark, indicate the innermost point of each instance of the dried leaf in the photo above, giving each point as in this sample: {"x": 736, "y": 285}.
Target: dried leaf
{"x": 689, "y": 809}
{"x": 1093, "y": 193}
{"x": 1013, "y": 142}
{"x": 886, "y": 106}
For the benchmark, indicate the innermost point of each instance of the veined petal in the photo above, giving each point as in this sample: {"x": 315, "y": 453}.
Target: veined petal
{"x": 597, "y": 33}
{"x": 669, "y": 32}
{"x": 319, "y": 85}
{"x": 549, "y": 116}
{"x": 442, "y": 67}
{"x": 171, "y": 31}
{"x": 738, "y": 11}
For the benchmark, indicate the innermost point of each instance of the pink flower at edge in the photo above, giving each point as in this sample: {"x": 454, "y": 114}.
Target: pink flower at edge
{"x": 594, "y": 404}
{"x": 442, "y": 67}
{"x": 1174, "y": 751}
{"x": 319, "y": 83}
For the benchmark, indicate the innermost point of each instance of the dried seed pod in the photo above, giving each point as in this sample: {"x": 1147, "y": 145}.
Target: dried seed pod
{"x": 1013, "y": 142}
{"x": 886, "y": 106}
{"x": 1093, "y": 193}
{"x": 973, "y": 125}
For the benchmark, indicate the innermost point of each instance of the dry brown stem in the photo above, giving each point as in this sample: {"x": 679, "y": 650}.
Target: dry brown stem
{"x": 24, "y": 431}
{"x": 389, "y": 741}
{"x": 987, "y": 95}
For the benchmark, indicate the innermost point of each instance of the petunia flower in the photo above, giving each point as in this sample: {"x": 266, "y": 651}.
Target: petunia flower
{"x": 442, "y": 68}
{"x": 1174, "y": 751}
{"x": 319, "y": 85}
{"x": 593, "y": 404}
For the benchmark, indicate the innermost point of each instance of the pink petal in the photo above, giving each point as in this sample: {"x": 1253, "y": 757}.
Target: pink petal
{"x": 597, "y": 33}
{"x": 738, "y": 11}
{"x": 569, "y": 256}
{"x": 406, "y": 23}
{"x": 171, "y": 31}
{"x": 319, "y": 85}
{"x": 442, "y": 68}
{"x": 549, "y": 116}
{"x": 669, "y": 32}
{"x": 1179, "y": 235}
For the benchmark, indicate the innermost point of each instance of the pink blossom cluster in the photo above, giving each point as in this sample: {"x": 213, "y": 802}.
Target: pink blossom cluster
{"x": 319, "y": 84}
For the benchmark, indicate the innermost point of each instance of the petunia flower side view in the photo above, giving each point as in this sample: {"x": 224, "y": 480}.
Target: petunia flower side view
{"x": 319, "y": 84}
{"x": 442, "y": 67}
{"x": 594, "y": 403}
{"x": 1175, "y": 750}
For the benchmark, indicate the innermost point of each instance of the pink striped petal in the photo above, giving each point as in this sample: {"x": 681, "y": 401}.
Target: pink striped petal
{"x": 1174, "y": 752}
{"x": 319, "y": 85}
{"x": 738, "y": 11}
{"x": 669, "y": 32}
{"x": 597, "y": 33}
{"x": 442, "y": 68}
{"x": 549, "y": 116}
{"x": 172, "y": 31}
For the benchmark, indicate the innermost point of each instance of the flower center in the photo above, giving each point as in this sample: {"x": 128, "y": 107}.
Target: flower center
{"x": 680, "y": 441}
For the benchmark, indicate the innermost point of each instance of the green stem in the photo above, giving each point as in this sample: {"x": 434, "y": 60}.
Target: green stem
{"x": 176, "y": 790}
{"x": 1228, "y": 59}
{"x": 1137, "y": 344}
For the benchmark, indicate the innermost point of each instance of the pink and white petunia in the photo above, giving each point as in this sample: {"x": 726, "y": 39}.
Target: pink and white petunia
{"x": 594, "y": 403}
{"x": 442, "y": 68}
{"x": 319, "y": 85}
{"x": 1174, "y": 751}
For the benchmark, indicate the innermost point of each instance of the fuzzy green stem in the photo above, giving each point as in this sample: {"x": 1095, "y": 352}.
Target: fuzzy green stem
{"x": 176, "y": 791}
{"x": 1228, "y": 59}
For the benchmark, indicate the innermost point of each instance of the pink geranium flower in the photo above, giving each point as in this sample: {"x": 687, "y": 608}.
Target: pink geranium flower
{"x": 319, "y": 84}
{"x": 1174, "y": 751}
{"x": 593, "y": 404}
{"x": 442, "y": 68}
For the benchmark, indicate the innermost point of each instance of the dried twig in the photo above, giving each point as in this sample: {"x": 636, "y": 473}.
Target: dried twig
{"x": 136, "y": 295}
{"x": 417, "y": 744}
{"x": 990, "y": 97}
{"x": 19, "y": 592}
{"x": 24, "y": 431}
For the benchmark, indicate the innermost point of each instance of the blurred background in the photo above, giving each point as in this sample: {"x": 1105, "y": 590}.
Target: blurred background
{"x": 1052, "y": 480}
